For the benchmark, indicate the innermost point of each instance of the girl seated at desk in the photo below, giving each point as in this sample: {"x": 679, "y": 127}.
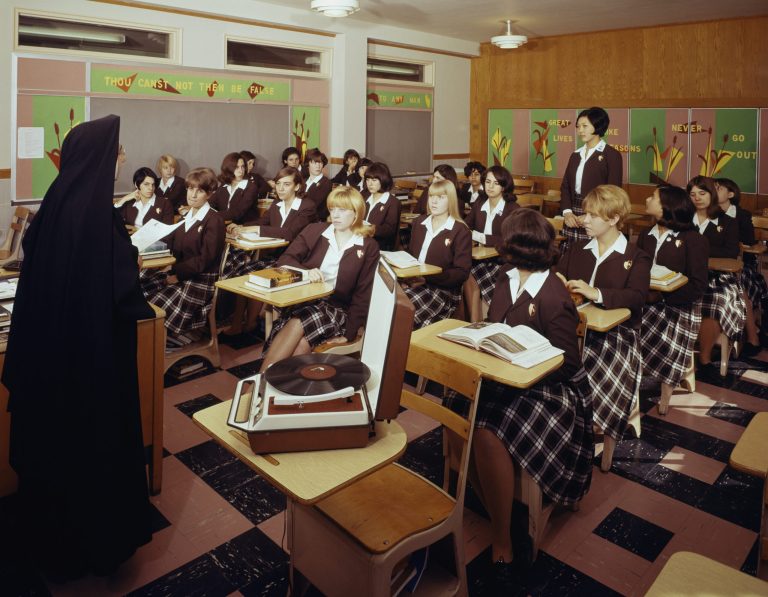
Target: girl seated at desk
{"x": 485, "y": 220}
{"x": 186, "y": 292}
{"x": 318, "y": 185}
{"x": 722, "y": 308}
{"x": 611, "y": 273}
{"x": 235, "y": 199}
{"x": 441, "y": 172}
{"x": 285, "y": 219}
{"x": 142, "y": 205}
{"x": 257, "y": 180}
{"x": 545, "y": 429}
{"x": 348, "y": 174}
{"x": 439, "y": 238}
{"x": 171, "y": 186}
{"x": 671, "y": 320}
{"x": 473, "y": 190}
{"x": 343, "y": 254}
{"x": 382, "y": 209}
{"x": 362, "y": 168}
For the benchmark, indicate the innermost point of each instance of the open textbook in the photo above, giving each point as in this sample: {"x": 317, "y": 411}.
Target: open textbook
{"x": 151, "y": 232}
{"x": 401, "y": 259}
{"x": 663, "y": 276}
{"x": 519, "y": 345}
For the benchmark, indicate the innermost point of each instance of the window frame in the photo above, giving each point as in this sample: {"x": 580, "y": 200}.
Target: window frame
{"x": 326, "y": 58}
{"x": 429, "y": 71}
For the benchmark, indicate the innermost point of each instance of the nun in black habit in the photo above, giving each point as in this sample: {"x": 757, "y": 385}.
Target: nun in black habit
{"x": 70, "y": 370}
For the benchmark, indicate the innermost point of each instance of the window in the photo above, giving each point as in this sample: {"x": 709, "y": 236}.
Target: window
{"x": 385, "y": 69}
{"x": 79, "y": 35}
{"x": 277, "y": 58}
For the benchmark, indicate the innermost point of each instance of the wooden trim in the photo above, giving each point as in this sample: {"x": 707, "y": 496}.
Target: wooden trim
{"x": 393, "y": 44}
{"x": 338, "y": 161}
{"x": 450, "y": 156}
{"x": 215, "y": 17}
{"x": 5, "y": 173}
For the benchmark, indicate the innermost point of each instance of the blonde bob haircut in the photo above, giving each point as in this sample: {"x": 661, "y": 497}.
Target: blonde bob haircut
{"x": 608, "y": 201}
{"x": 167, "y": 160}
{"x": 350, "y": 198}
{"x": 446, "y": 187}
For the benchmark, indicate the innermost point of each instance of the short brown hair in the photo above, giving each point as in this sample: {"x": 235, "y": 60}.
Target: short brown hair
{"x": 706, "y": 184}
{"x": 608, "y": 201}
{"x": 528, "y": 241}
{"x": 315, "y": 155}
{"x": 288, "y": 171}
{"x": 228, "y": 166}
{"x": 203, "y": 179}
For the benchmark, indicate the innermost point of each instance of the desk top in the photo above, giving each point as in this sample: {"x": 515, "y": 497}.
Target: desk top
{"x": 756, "y": 249}
{"x": 158, "y": 262}
{"x": 602, "y": 320}
{"x": 307, "y": 476}
{"x": 726, "y": 265}
{"x": 415, "y": 271}
{"x": 6, "y": 274}
{"x": 490, "y": 367}
{"x": 483, "y": 252}
{"x": 679, "y": 283}
{"x": 272, "y": 243}
{"x": 687, "y": 573}
{"x": 279, "y": 298}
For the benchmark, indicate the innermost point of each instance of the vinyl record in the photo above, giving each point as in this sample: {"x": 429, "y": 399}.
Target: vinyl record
{"x": 311, "y": 374}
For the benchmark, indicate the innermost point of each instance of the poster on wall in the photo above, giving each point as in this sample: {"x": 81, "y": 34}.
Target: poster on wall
{"x": 57, "y": 116}
{"x": 617, "y": 136}
{"x": 552, "y": 140}
{"x": 396, "y": 98}
{"x": 724, "y": 145}
{"x": 763, "y": 172}
{"x": 305, "y": 128}
{"x": 507, "y": 140}
{"x": 659, "y": 146}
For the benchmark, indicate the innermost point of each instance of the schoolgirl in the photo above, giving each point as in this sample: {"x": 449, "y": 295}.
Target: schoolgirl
{"x": 613, "y": 274}
{"x": 143, "y": 204}
{"x": 382, "y": 209}
{"x": 362, "y": 167}
{"x": 485, "y": 220}
{"x": 171, "y": 186}
{"x": 318, "y": 184}
{"x": 440, "y": 238}
{"x": 235, "y": 199}
{"x": 671, "y": 320}
{"x": 473, "y": 189}
{"x": 342, "y": 253}
{"x": 348, "y": 173}
{"x": 254, "y": 178}
{"x": 440, "y": 172}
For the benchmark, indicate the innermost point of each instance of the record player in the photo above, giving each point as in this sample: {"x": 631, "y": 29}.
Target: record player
{"x": 325, "y": 401}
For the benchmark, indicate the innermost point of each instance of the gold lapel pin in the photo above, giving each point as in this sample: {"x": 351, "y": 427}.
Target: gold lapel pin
{"x": 359, "y": 253}
{"x": 157, "y": 209}
{"x": 200, "y": 229}
{"x": 719, "y": 228}
{"x": 627, "y": 264}
{"x": 531, "y": 310}
{"x": 678, "y": 243}
{"x": 599, "y": 158}
{"x": 447, "y": 242}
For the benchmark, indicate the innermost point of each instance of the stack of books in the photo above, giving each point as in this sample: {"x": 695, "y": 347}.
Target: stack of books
{"x": 155, "y": 251}
{"x": 662, "y": 276}
{"x": 277, "y": 278}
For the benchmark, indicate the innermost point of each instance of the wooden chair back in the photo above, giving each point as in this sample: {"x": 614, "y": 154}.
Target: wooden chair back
{"x": 11, "y": 247}
{"x": 531, "y": 201}
{"x": 523, "y": 185}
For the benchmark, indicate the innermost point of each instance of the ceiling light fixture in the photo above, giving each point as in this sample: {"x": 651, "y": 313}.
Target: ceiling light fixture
{"x": 509, "y": 40}
{"x": 335, "y": 8}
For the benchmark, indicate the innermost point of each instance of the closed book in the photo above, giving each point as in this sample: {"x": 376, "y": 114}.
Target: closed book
{"x": 276, "y": 277}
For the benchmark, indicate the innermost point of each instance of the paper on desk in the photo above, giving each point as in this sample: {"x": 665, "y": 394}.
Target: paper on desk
{"x": 151, "y": 232}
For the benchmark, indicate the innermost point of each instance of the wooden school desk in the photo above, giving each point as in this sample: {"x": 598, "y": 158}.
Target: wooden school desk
{"x": 6, "y": 274}
{"x": 416, "y": 271}
{"x": 679, "y": 283}
{"x": 158, "y": 262}
{"x": 603, "y": 320}
{"x": 490, "y": 367}
{"x": 306, "y": 477}
{"x": 484, "y": 252}
{"x": 725, "y": 265}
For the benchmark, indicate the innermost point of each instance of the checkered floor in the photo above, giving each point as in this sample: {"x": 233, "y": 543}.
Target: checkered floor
{"x": 219, "y": 527}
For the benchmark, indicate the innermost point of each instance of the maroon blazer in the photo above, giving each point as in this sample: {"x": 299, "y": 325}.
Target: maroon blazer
{"x": 551, "y": 312}
{"x": 272, "y": 225}
{"x": 465, "y": 196}
{"x": 386, "y": 218}
{"x": 688, "y": 254}
{"x": 476, "y": 220}
{"x": 450, "y": 250}
{"x": 318, "y": 194}
{"x": 162, "y": 211}
{"x": 602, "y": 167}
{"x": 198, "y": 250}
{"x": 242, "y": 208}
{"x": 356, "y": 272}
{"x": 261, "y": 185}
{"x": 723, "y": 238}
{"x": 176, "y": 193}
{"x": 622, "y": 279}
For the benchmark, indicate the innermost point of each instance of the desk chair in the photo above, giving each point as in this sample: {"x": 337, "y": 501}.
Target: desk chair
{"x": 523, "y": 186}
{"x": 11, "y": 247}
{"x": 350, "y": 542}
{"x": 557, "y": 224}
{"x": 531, "y": 201}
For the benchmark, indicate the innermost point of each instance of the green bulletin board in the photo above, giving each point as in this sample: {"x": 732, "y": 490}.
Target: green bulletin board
{"x": 500, "y": 135}
{"x": 659, "y": 141}
{"x": 305, "y": 128}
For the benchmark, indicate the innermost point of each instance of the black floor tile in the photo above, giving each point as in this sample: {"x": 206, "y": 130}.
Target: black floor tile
{"x": 190, "y": 407}
{"x": 246, "y": 369}
{"x": 634, "y": 534}
{"x": 424, "y": 456}
{"x": 157, "y": 521}
{"x": 735, "y": 497}
{"x": 753, "y": 389}
{"x": 253, "y": 561}
{"x": 750, "y": 562}
{"x": 199, "y": 578}
{"x": 730, "y": 413}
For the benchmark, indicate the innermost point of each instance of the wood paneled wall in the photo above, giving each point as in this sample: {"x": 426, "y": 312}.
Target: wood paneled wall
{"x": 712, "y": 64}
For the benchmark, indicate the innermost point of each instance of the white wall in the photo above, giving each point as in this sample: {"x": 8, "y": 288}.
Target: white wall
{"x": 203, "y": 47}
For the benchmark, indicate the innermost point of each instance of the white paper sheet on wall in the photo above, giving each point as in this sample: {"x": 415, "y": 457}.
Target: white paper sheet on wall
{"x": 31, "y": 141}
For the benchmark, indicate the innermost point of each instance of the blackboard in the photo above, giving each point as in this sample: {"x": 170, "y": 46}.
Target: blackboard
{"x": 400, "y": 138}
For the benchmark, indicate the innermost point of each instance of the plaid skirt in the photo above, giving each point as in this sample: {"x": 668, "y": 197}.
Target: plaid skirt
{"x": 320, "y": 321}
{"x": 547, "y": 430}
{"x": 240, "y": 263}
{"x": 485, "y": 273}
{"x": 432, "y": 303}
{"x": 667, "y": 335}
{"x": 754, "y": 283}
{"x": 613, "y": 364}
{"x": 723, "y": 301}
{"x": 187, "y": 303}
{"x": 152, "y": 281}
{"x": 574, "y": 234}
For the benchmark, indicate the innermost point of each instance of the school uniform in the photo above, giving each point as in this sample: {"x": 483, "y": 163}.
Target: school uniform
{"x": 317, "y": 191}
{"x": 450, "y": 248}
{"x": 468, "y": 197}
{"x": 385, "y": 216}
{"x": 485, "y": 224}
{"x": 612, "y": 359}
{"x": 546, "y": 428}
{"x": 343, "y": 178}
{"x": 136, "y": 213}
{"x": 236, "y": 203}
{"x": 585, "y": 171}
{"x": 671, "y": 320}
{"x": 197, "y": 245}
{"x": 261, "y": 186}
{"x": 277, "y": 222}
{"x": 175, "y": 190}
{"x": 752, "y": 281}
{"x": 723, "y": 300}
{"x": 350, "y": 268}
